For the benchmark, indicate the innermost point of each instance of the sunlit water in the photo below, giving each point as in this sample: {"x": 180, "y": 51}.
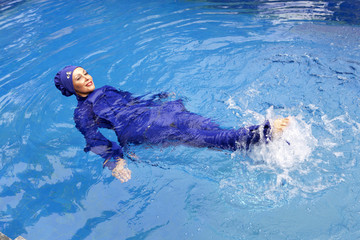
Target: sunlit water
{"x": 238, "y": 63}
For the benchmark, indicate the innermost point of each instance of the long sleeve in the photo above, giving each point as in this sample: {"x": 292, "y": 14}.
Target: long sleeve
{"x": 85, "y": 121}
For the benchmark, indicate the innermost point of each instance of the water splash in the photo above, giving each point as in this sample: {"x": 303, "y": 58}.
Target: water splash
{"x": 274, "y": 173}
{"x": 289, "y": 150}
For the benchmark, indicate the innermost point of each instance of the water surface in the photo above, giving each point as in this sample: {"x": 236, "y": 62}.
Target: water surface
{"x": 238, "y": 62}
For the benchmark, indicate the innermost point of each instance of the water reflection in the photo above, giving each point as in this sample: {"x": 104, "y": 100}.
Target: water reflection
{"x": 10, "y": 4}
{"x": 339, "y": 11}
{"x": 47, "y": 183}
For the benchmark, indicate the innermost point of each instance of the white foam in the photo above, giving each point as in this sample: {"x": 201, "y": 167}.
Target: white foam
{"x": 279, "y": 170}
{"x": 293, "y": 147}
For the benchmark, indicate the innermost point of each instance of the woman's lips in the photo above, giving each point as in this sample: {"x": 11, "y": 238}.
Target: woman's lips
{"x": 89, "y": 84}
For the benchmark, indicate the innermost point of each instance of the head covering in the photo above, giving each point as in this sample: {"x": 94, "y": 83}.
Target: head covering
{"x": 63, "y": 80}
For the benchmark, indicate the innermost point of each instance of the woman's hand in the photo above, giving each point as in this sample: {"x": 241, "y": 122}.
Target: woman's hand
{"x": 121, "y": 172}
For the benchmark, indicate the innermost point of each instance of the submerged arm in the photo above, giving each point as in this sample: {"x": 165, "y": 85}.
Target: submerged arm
{"x": 97, "y": 143}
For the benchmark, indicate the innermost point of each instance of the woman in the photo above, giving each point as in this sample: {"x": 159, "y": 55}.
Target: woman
{"x": 137, "y": 120}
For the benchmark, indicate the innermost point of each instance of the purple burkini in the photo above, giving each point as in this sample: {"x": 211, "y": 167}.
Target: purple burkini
{"x": 137, "y": 120}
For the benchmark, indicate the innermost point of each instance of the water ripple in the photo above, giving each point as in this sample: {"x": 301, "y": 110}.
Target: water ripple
{"x": 229, "y": 60}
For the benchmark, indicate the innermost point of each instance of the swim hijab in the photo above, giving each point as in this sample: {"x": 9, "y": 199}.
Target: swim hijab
{"x": 63, "y": 81}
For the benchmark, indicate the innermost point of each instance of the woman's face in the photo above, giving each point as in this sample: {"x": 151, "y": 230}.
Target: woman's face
{"x": 83, "y": 82}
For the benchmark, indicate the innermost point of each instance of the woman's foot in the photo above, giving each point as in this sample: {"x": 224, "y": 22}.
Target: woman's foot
{"x": 279, "y": 125}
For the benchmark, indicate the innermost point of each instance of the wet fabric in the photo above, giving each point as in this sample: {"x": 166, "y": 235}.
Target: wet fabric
{"x": 137, "y": 120}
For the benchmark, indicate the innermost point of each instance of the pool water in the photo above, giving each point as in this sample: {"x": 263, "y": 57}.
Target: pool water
{"x": 237, "y": 62}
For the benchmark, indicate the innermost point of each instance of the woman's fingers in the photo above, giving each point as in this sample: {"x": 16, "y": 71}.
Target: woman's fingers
{"x": 126, "y": 175}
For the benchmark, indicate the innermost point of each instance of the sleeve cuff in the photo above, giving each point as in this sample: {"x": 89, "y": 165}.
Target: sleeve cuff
{"x": 113, "y": 150}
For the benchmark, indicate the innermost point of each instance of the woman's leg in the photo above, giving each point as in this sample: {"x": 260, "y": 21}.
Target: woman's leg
{"x": 198, "y": 131}
{"x": 232, "y": 140}
{"x": 194, "y": 130}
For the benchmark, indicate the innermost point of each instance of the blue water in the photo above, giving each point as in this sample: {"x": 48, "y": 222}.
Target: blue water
{"x": 237, "y": 62}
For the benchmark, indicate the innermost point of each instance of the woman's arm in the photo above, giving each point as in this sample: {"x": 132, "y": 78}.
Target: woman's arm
{"x": 95, "y": 141}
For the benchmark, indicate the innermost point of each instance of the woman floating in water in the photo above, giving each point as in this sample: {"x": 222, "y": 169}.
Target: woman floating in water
{"x": 137, "y": 120}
